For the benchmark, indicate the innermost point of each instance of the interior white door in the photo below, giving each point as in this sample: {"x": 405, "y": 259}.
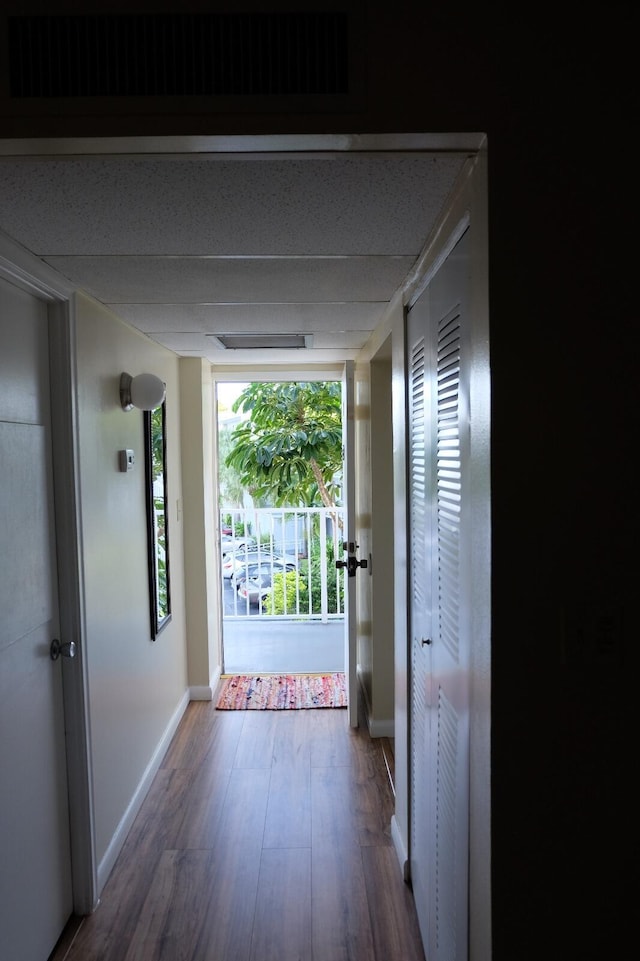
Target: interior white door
{"x": 35, "y": 861}
{"x": 437, "y": 330}
{"x": 349, "y": 499}
{"x": 420, "y": 601}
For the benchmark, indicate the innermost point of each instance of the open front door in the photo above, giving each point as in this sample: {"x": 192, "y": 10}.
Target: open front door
{"x": 349, "y": 498}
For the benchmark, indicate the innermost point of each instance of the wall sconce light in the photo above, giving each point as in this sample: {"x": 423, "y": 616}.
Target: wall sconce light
{"x": 145, "y": 391}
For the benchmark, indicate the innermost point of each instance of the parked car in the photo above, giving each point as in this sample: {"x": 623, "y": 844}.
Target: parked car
{"x": 266, "y": 564}
{"x": 256, "y": 585}
{"x": 233, "y": 542}
{"x": 233, "y": 560}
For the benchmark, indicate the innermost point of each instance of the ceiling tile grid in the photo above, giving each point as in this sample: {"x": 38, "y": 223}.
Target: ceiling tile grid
{"x": 189, "y": 245}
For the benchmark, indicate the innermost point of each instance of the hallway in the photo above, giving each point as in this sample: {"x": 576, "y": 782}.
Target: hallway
{"x": 265, "y": 836}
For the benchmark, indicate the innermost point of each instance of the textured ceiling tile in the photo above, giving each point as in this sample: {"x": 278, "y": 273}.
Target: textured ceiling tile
{"x": 142, "y": 234}
{"x": 191, "y": 280}
{"x": 179, "y": 341}
{"x": 292, "y": 358}
{"x": 212, "y": 318}
{"x": 197, "y": 348}
{"x": 338, "y": 205}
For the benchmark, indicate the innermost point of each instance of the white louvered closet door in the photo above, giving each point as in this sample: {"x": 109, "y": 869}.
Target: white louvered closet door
{"x": 439, "y": 606}
{"x": 420, "y": 614}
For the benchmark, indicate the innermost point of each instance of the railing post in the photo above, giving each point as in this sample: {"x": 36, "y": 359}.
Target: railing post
{"x": 308, "y": 536}
{"x": 324, "y": 602}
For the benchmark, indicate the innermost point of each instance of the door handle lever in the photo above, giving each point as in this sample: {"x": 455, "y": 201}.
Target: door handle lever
{"x": 66, "y": 650}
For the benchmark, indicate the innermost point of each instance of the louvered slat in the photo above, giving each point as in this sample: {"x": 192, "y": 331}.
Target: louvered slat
{"x": 446, "y": 834}
{"x": 418, "y": 471}
{"x": 449, "y": 479}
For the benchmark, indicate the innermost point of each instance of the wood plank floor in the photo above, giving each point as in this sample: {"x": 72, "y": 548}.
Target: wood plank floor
{"x": 265, "y": 836}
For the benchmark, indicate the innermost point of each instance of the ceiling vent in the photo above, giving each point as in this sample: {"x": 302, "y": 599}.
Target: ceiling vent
{"x": 261, "y": 341}
{"x": 216, "y": 54}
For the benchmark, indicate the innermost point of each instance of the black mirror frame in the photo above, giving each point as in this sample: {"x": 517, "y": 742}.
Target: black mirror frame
{"x": 160, "y": 616}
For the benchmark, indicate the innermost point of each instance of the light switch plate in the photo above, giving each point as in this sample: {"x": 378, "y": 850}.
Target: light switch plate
{"x": 126, "y": 460}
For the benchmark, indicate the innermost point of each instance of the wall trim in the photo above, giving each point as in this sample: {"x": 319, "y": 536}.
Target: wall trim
{"x": 383, "y": 728}
{"x": 215, "y": 678}
{"x": 115, "y": 845}
{"x": 233, "y": 145}
{"x": 422, "y": 276}
{"x": 401, "y": 851}
{"x": 66, "y": 470}
{"x": 205, "y": 692}
{"x": 21, "y": 268}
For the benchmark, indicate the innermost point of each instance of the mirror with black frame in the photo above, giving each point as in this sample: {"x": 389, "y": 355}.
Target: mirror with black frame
{"x": 155, "y": 441}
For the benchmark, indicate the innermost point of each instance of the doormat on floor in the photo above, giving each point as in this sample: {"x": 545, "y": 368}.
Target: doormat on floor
{"x": 281, "y": 692}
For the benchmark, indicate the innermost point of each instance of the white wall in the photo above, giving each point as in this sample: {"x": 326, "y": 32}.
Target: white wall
{"x": 200, "y": 538}
{"x": 137, "y": 687}
{"x": 381, "y": 574}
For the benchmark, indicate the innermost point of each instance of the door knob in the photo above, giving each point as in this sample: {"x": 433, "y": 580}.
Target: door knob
{"x": 351, "y": 563}
{"x": 66, "y": 650}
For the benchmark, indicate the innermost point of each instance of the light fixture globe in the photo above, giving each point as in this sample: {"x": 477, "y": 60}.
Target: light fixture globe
{"x": 144, "y": 391}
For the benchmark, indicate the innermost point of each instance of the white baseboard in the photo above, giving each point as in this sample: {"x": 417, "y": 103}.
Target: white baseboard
{"x": 383, "y": 728}
{"x": 401, "y": 851}
{"x": 215, "y": 678}
{"x": 205, "y": 692}
{"x": 115, "y": 846}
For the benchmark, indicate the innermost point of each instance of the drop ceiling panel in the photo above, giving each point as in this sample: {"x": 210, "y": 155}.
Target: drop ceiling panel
{"x": 212, "y": 318}
{"x": 181, "y": 342}
{"x": 194, "y": 280}
{"x": 291, "y": 358}
{"x": 181, "y": 245}
{"x": 348, "y": 204}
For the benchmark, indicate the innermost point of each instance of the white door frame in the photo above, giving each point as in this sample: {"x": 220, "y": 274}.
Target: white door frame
{"x": 25, "y": 271}
{"x": 239, "y": 374}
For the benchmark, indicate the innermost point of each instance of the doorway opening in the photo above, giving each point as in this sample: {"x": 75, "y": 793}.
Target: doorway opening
{"x": 281, "y": 525}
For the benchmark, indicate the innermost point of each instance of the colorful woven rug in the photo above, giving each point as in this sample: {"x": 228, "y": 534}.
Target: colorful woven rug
{"x": 282, "y": 692}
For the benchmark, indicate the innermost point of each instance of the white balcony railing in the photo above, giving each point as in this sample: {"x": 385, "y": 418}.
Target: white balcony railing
{"x": 306, "y": 541}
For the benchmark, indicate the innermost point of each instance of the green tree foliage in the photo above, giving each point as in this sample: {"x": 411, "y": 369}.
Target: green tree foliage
{"x": 157, "y": 442}
{"x": 289, "y": 449}
{"x": 230, "y": 486}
